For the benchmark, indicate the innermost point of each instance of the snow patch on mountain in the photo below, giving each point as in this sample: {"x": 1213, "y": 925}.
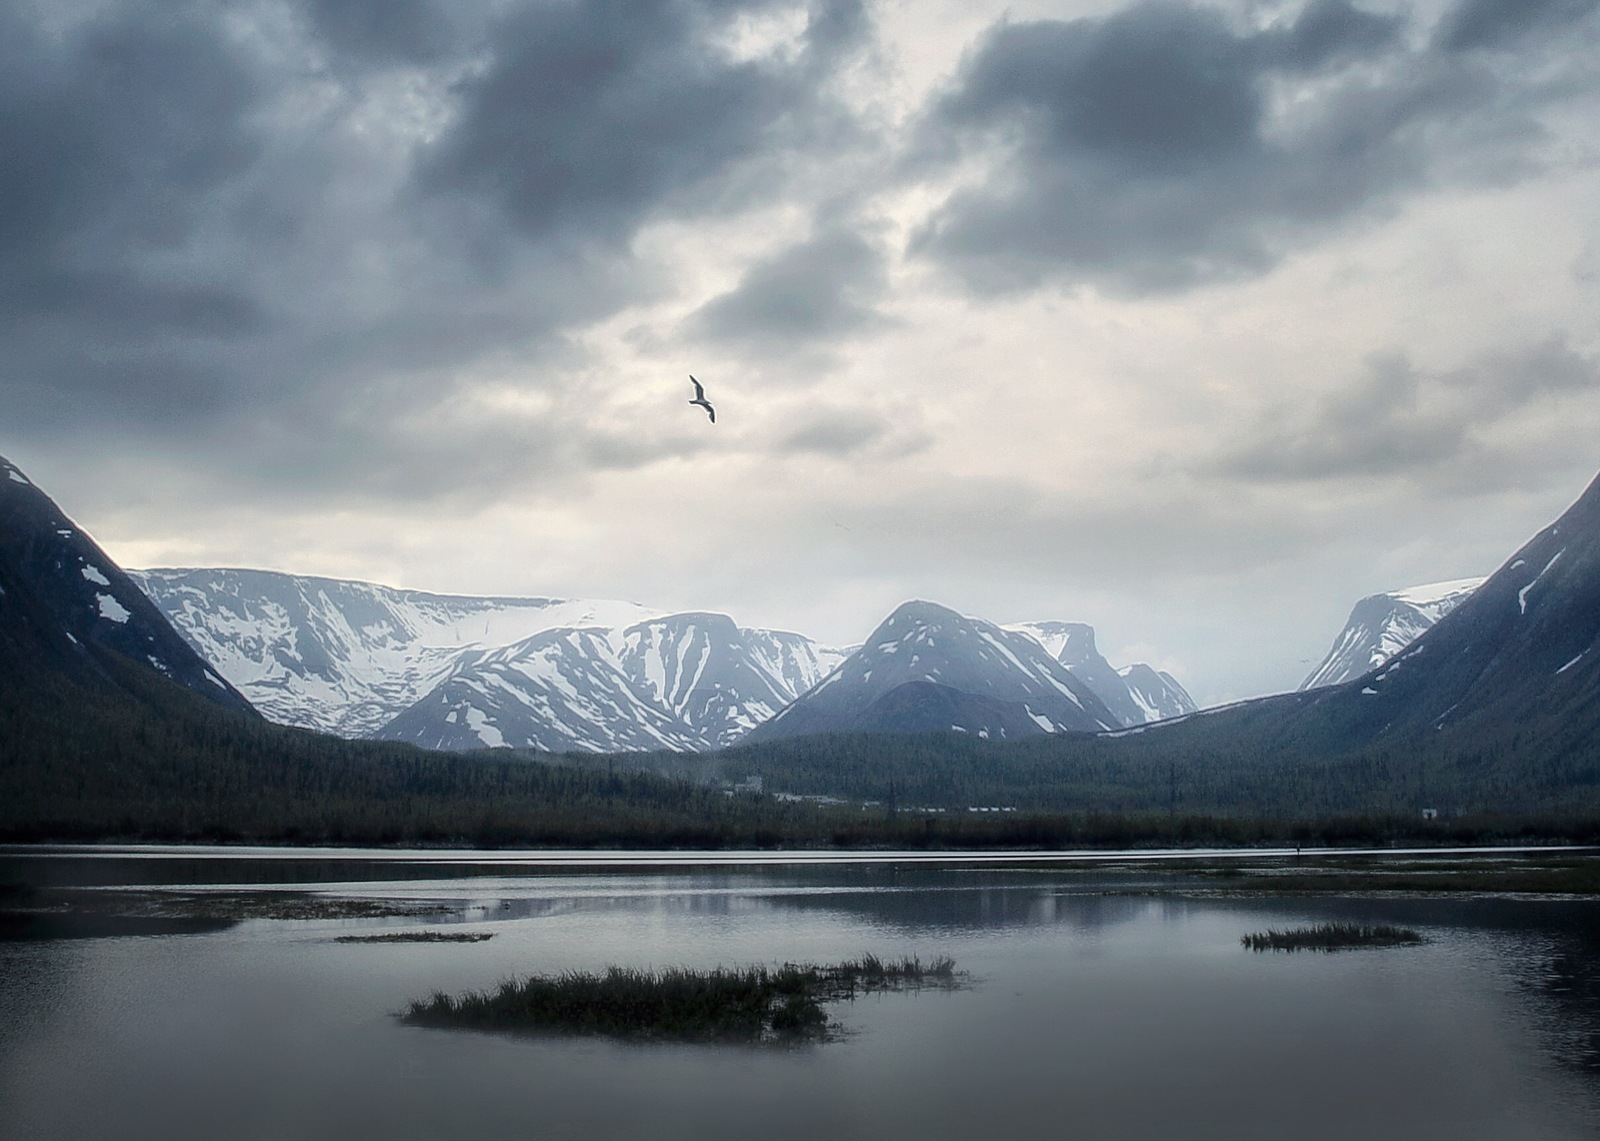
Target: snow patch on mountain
{"x": 1157, "y": 693}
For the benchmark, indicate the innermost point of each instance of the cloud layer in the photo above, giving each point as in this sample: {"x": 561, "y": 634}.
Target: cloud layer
{"x": 1090, "y": 311}
{"x": 1165, "y": 146}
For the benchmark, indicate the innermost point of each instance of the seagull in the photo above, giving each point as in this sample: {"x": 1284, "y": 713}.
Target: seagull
{"x": 700, "y": 399}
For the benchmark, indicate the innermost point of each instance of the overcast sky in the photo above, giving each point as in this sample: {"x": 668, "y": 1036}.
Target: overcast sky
{"x": 1194, "y": 321}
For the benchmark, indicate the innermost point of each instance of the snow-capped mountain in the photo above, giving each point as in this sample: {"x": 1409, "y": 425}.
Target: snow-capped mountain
{"x": 1136, "y": 695}
{"x": 986, "y": 680}
{"x": 1156, "y": 692}
{"x": 718, "y": 679}
{"x": 681, "y": 682}
{"x": 1381, "y": 625}
{"x": 64, "y": 603}
{"x": 347, "y": 657}
{"x": 457, "y": 672}
{"x": 559, "y": 691}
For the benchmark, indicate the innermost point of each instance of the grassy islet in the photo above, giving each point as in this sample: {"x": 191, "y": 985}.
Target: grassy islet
{"x": 1332, "y": 937}
{"x": 755, "y": 1005}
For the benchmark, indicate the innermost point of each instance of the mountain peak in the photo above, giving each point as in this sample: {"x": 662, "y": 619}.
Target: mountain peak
{"x": 1021, "y": 686}
{"x": 1070, "y": 643}
{"x": 1135, "y": 698}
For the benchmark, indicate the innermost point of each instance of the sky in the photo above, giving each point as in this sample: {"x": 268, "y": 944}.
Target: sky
{"x": 1193, "y": 321}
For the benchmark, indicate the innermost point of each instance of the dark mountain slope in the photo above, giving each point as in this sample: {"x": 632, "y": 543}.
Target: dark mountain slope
{"x": 1517, "y": 659}
{"x": 926, "y": 706}
{"x": 144, "y": 758}
{"x": 65, "y": 606}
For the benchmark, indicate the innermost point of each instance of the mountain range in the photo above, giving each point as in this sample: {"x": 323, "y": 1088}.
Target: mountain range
{"x": 684, "y": 682}
{"x": 461, "y": 672}
{"x": 110, "y": 719}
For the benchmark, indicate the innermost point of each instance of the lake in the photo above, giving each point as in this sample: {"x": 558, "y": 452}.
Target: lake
{"x": 1109, "y": 998}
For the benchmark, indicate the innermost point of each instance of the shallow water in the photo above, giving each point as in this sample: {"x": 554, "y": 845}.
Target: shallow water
{"x": 1095, "y": 1011}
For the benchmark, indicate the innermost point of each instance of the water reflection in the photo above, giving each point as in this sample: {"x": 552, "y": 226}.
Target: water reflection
{"x": 1098, "y": 1012}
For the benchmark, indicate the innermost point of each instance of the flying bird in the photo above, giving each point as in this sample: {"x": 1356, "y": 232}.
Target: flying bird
{"x": 700, "y": 399}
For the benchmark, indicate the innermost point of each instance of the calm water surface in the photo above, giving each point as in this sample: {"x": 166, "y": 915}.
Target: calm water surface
{"x": 1096, "y": 1012}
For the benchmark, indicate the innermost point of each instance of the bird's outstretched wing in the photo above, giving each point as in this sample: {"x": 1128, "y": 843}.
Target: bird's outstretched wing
{"x": 700, "y": 399}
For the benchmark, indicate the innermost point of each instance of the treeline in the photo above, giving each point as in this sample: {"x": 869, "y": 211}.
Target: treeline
{"x": 152, "y": 761}
{"x": 984, "y": 831}
{"x": 144, "y": 759}
{"x": 1238, "y": 766}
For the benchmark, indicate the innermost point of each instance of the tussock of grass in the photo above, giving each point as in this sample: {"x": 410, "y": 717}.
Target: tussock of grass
{"x": 419, "y": 937}
{"x": 739, "y": 1005}
{"x": 1332, "y": 937}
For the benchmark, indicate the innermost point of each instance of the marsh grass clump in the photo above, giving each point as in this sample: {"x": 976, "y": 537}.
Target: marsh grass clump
{"x": 1333, "y": 937}
{"x": 418, "y": 937}
{"x": 754, "y": 1005}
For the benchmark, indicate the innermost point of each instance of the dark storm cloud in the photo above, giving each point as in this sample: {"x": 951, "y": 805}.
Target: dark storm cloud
{"x": 113, "y": 142}
{"x": 1327, "y": 31}
{"x": 1501, "y": 24}
{"x": 819, "y": 289}
{"x": 1397, "y": 419}
{"x": 282, "y": 247}
{"x": 595, "y": 115}
{"x": 399, "y": 31}
{"x": 1158, "y": 147}
{"x": 120, "y": 137}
